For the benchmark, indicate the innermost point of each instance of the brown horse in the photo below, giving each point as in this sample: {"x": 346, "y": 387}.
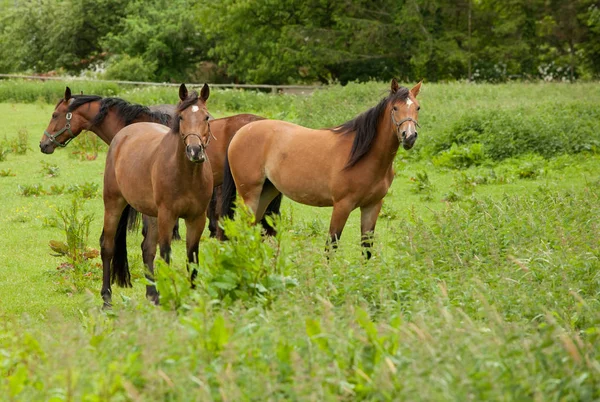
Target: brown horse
{"x": 106, "y": 116}
{"x": 346, "y": 167}
{"x": 162, "y": 173}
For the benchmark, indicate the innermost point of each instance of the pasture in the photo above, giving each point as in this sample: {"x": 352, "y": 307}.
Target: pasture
{"x": 484, "y": 282}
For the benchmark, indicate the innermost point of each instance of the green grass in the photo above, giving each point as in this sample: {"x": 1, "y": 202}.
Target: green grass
{"x": 491, "y": 296}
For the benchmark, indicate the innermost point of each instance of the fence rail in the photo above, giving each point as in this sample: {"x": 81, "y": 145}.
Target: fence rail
{"x": 273, "y": 88}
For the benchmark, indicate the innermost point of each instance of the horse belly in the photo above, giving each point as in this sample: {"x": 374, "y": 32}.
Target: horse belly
{"x": 309, "y": 187}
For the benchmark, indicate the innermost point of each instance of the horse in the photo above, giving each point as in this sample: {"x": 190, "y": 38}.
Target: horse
{"x": 160, "y": 172}
{"x": 346, "y": 167}
{"x": 106, "y": 116}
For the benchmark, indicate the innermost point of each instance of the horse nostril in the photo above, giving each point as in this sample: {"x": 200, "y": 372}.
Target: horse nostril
{"x": 403, "y": 134}
{"x": 416, "y": 134}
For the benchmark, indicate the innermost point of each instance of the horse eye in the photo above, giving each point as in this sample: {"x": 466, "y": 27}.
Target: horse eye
{"x": 395, "y": 108}
{"x": 418, "y": 108}
{"x": 207, "y": 117}
{"x": 180, "y": 118}
{"x": 54, "y": 115}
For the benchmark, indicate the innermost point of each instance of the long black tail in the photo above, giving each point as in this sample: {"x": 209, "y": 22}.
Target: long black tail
{"x": 133, "y": 220}
{"x": 228, "y": 192}
{"x": 120, "y": 267}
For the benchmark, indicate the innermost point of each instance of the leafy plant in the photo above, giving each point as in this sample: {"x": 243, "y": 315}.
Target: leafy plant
{"x": 6, "y": 173}
{"x": 422, "y": 185}
{"x": 49, "y": 169}
{"x": 20, "y": 144}
{"x": 31, "y": 190}
{"x": 85, "y": 190}
{"x": 76, "y": 228}
{"x": 460, "y": 157}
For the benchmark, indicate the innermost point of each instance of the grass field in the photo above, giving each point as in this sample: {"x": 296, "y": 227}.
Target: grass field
{"x": 484, "y": 283}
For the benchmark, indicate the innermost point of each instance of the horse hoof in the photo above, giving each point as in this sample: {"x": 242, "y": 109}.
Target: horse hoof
{"x": 106, "y": 306}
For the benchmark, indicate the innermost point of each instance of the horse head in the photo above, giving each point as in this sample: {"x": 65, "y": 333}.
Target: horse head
{"x": 405, "y": 113}
{"x": 192, "y": 122}
{"x": 65, "y": 124}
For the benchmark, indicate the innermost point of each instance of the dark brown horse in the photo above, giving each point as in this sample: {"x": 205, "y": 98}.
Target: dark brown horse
{"x": 106, "y": 116}
{"x": 346, "y": 167}
{"x": 162, "y": 173}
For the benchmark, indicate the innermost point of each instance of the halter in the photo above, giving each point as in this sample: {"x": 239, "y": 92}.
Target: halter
{"x": 200, "y": 138}
{"x": 401, "y": 122}
{"x": 67, "y": 128}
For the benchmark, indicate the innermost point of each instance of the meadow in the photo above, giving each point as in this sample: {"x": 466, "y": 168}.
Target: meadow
{"x": 484, "y": 282}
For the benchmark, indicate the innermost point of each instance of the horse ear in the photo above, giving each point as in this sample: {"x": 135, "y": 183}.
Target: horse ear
{"x": 183, "y": 92}
{"x": 416, "y": 89}
{"x": 394, "y": 86}
{"x": 204, "y": 92}
{"x": 67, "y": 94}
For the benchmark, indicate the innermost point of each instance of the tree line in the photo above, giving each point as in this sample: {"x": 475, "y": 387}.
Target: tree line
{"x": 303, "y": 41}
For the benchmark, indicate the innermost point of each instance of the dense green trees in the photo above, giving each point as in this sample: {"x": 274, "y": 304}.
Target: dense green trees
{"x": 293, "y": 41}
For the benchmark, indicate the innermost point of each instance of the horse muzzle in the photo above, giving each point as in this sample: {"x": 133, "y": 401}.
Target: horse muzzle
{"x": 47, "y": 147}
{"x": 195, "y": 153}
{"x": 409, "y": 141}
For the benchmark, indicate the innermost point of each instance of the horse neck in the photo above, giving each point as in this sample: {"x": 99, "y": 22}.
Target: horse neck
{"x": 108, "y": 127}
{"x": 386, "y": 142}
{"x": 184, "y": 165}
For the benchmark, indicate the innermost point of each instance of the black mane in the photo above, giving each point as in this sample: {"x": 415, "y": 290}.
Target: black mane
{"x": 190, "y": 100}
{"x": 128, "y": 112}
{"x": 365, "y": 126}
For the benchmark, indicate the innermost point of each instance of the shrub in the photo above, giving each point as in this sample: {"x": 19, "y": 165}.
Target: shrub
{"x": 130, "y": 68}
{"x": 460, "y": 157}
{"x": 246, "y": 267}
{"x": 547, "y": 129}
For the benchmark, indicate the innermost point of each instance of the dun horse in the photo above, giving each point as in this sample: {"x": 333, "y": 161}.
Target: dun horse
{"x": 346, "y": 167}
{"x": 106, "y": 116}
{"x": 159, "y": 172}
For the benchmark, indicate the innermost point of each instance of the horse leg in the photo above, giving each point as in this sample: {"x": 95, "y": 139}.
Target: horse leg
{"x": 176, "y": 235}
{"x": 149, "y": 253}
{"x": 194, "y": 229}
{"x": 166, "y": 221}
{"x": 341, "y": 211}
{"x": 112, "y": 215}
{"x": 368, "y": 219}
{"x": 213, "y": 217}
{"x": 272, "y": 211}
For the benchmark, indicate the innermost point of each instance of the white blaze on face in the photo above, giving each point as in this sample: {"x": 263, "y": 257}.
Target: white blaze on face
{"x": 195, "y": 108}
{"x": 408, "y": 103}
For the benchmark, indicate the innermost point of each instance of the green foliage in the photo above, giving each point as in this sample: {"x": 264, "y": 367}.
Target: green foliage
{"x": 143, "y": 52}
{"x": 31, "y": 190}
{"x": 493, "y": 297}
{"x": 49, "y": 170}
{"x": 265, "y": 41}
{"x": 509, "y": 132}
{"x": 6, "y": 173}
{"x": 19, "y": 145}
{"x": 42, "y": 24}
{"x": 128, "y": 68}
{"x": 460, "y": 157}
{"x": 84, "y": 190}
{"x": 76, "y": 228}
{"x": 4, "y": 151}
{"x": 245, "y": 267}
{"x": 50, "y": 91}
{"x": 422, "y": 185}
